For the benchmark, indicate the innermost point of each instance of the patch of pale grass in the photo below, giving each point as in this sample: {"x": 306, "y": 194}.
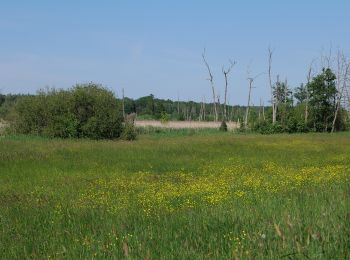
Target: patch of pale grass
{"x": 184, "y": 124}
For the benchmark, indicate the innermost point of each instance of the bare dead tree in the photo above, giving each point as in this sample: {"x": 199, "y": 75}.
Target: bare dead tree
{"x": 211, "y": 79}
{"x": 178, "y": 104}
{"x": 263, "y": 110}
{"x": 343, "y": 72}
{"x": 123, "y": 103}
{"x": 248, "y": 105}
{"x": 326, "y": 58}
{"x": 250, "y": 80}
{"x": 309, "y": 75}
{"x": 201, "y": 111}
{"x": 226, "y": 72}
{"x": 204, "y": 112}
{"x": 285, "y": 90}
{"x": 218, "y": 107}
{"x": 347, "y": 99}
{"x": 273, "y": 100}
{"x": 232, "y": 113}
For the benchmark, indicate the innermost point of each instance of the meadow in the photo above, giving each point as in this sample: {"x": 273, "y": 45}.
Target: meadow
{"x": 194, "y": 195}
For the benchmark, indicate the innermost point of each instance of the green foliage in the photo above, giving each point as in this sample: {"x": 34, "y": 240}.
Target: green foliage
{"x": 84, "y": 111}
{"x": 129, "y": 131}
{"x": 150, "y": 107}
{"x": 301, "y": 93}
{"x": 293, "y": 125}
{"x": 97, "y": 112}
{"x": 164, "y": 117}
{"x": 7, "y": 106}
{"x": 266, "y": 127}
{"x": 223, "y": 126}
{"x": 321, "y": 107}
{"x": 322, "y": 100}
{"x": 2, "y": 99}
{"x": 282, "y": 93}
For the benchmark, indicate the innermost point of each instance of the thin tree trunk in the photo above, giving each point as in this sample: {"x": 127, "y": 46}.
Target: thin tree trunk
{"x": 343, "y": 71}
{"x": 260, "y": 108}
{"x": 307, "y": 95}
{"x": 178, "y": 104}
{"x": 123, "y": 103}
{"x": 263, "y": 111}
{"x": 247, "y": 111}
{"x": 226, "y": 72}
{"x": 211, "y": 79}
{"x": 271, "y": 88}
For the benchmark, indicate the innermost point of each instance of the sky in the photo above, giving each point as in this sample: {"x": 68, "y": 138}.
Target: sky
{"x": 155, "y": 47}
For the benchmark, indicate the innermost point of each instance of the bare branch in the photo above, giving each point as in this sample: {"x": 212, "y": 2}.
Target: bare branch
{"x": 273, "y": 101}
{"x": 226, "y": 72}
{"x": 211, "y": 79}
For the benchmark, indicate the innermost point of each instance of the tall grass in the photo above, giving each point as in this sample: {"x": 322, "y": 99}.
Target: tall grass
{"x": 200, "y": 195}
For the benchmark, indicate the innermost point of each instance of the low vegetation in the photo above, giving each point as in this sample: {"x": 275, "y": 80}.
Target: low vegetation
{"x": 223, "y": 196}
{"x": 84, "y": 111}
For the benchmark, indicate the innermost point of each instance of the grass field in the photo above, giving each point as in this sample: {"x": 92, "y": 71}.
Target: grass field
{"x": 204, "y": 195}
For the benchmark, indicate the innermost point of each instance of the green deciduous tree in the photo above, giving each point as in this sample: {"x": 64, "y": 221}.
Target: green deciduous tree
{"x": 322, "y": 101}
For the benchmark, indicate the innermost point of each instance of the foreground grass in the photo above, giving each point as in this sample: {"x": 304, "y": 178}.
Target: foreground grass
{"x": 202, "y": 196}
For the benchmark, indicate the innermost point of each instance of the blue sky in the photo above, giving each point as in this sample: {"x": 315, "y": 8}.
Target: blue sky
{"x": 155, "y": 46}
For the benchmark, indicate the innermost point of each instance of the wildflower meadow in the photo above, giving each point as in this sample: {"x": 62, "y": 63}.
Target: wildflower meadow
{"x": 197, "y": 196}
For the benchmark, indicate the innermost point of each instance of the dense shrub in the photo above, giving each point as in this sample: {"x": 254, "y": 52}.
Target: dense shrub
{"x": 164, "y": 118}
{"x": 87, "y": 110}
{"x": 223, "y": 126}
{"x": 266, "y": 127}
{"x": 129, "y": 132}
{"x": 7, "y": 106}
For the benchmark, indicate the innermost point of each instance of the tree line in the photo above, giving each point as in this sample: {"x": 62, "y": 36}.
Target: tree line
{"x": 321, "y": 104}
{"x": 150, "y": 108}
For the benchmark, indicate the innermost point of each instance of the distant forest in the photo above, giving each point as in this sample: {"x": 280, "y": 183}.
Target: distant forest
{"x": 149, "y": 108}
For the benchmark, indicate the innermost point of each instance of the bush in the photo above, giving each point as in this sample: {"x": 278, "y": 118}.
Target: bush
{"x": 223, "y": 126}
{"x": 87, "y": 110}
{"x": 129, "y": 132}
{"x": 164, "y": 117}
{"x": 268, "y": 128}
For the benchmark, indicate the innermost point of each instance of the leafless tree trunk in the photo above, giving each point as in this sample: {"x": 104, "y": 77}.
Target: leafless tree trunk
{"x": 232, "y": 113}
{"x": 250, "y": 80}
{"x": 123, "y": 103}
{"x": 273, "y": 100}
{"x": 348, "y": 103}
{"x": 202, "y": 111}
{"x": 248, "y": 105}
{"x": 307, "y": 94}
{"x": 226, "y": 72}
{"x": 343, "y": 71}
{"x": 178, "y": 104}
{"x": 218, "y": 107}
{"x": 211, "y": 79}
{"x": 285, "y": 90}
{"x": 263, "y": 111}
